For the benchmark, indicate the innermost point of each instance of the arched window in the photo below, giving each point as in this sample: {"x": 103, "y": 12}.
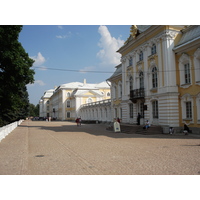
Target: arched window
{"x": 68, "y": 104}
{"x": 141, "y": 56}
{"x": 108, "y": 94}
{"x": 187, "y": 73}
{"x": 185, "y": 70}
{"x": 141, "y": 78}
{"x": 153, "y": 49}
{"x": 89, "y": 100}
{"x": 154, "y": 78}
{"x": 130, "y": 61}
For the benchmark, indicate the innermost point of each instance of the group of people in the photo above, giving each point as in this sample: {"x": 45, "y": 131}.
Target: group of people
{"x": 78, "y": 121}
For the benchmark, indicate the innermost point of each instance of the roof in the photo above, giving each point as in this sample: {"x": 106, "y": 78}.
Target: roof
{"x": 72, "y": 85}
{"x": 82, "y": 92}
{"x": 189, "y": 34}
{"x": 79, "y": 85}
{"x": 48, "y": 93}
{"x": 143, "y": 28}
{"x": 117, "y": 72}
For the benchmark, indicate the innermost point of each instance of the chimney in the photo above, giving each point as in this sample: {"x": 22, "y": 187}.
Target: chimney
{"x": 84, "y": 81}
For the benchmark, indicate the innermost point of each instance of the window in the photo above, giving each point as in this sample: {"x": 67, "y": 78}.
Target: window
{"x": 130, "y": 61}
{"x": 131, "y": 110}
{"x": 120, "y": 90}
{"x": 89, "y": 100}
{"x": 141, "y": 56}
{"x": 187, "y": 73}
{"x": 188, "y": 110}
{"x": 154, "y": 78}
{"x": 115, "y": 92}
{"x": 108, "y": 94}
{"x": 131, "y": 83}
{"x": 68, "y": 114}
{"x": 141, "y": 77}
{"x": 68, "y": 104}
{"x": 153, "y": 49}
{"x": 197, "y": 65}
{"x": 141, "y": 109}
{"x": 155, "y": 109}
{"x": 68, "y": 94}
{"x": 184, "y": 68}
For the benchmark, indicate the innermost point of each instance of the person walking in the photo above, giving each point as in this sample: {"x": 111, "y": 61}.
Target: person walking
{"x": 77, "y": 121}
{"x": 80, "y": 121}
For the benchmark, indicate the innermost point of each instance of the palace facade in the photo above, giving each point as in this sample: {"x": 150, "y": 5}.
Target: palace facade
{"x": 159, "y": 77}
{"x": 64, "y": 102}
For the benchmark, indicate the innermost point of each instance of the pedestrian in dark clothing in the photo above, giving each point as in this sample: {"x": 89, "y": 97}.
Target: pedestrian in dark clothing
{"x": 77, "y": 121}
{"x": 118, "y": 120}
{"x": 186, "y": 129}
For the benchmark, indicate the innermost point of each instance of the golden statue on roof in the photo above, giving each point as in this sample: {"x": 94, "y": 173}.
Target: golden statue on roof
{"x": 134, "y": 30}
{"x": 133, "y": 33}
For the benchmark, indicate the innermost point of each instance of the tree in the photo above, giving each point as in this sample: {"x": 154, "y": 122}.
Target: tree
{"x": 15, "y": 74}
{"x": 34, "y": 110}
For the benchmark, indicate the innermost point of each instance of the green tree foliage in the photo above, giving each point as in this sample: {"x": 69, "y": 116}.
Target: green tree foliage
{"x": 34, "y": 110}
{"x": 15, "y": 74}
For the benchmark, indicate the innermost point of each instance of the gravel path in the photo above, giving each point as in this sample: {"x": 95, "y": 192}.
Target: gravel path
{"x": 62, "y": 148}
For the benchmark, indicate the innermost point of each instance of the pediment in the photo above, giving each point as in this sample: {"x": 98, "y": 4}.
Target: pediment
{"x": 88, "y": 93}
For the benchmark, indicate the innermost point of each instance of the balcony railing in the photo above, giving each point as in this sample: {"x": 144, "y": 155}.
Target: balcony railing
{"x": 136, "y": 94}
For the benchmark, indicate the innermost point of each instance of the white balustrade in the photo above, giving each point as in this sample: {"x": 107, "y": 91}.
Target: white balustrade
{"x": 5, "y": 130}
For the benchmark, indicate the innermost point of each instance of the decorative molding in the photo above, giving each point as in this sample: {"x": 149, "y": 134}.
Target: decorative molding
{"x": 197, "y": 54}
{"x": 184, "y": 58}
{"x": 169, "y": 35}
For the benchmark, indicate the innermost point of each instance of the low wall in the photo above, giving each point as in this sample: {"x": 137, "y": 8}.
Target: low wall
{"x": 5, "y": 130}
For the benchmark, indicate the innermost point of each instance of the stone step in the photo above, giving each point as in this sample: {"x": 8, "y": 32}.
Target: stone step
{"x": 139, "y": 130}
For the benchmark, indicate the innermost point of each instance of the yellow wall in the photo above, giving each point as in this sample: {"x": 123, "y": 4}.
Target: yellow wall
{"x": 193, "y": 89}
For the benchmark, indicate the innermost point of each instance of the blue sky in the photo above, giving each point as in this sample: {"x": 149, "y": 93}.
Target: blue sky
{"x": 71, "y": 47}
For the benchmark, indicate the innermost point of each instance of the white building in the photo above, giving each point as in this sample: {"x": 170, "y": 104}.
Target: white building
{"x": 158, "y": 76}
{"x": 65, "y": 101}
{"x": 44, "y": 104}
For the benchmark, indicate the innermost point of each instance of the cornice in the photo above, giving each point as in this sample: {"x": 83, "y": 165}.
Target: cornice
{"x": 138, "y": 38}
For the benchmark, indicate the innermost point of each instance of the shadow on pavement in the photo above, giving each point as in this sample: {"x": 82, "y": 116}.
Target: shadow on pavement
{"x": 100, "y": 130}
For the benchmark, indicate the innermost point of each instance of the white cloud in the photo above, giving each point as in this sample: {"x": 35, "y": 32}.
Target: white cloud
{"x": 37, "y": 82}
{"x": 109, "y": 45}
{"x": 69, "y": 34}
{"x": 60, "y": 27}
{"x": 39, "y": 60}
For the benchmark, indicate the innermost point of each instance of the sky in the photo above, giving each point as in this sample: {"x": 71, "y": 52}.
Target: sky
{"x": 71, "y": 53}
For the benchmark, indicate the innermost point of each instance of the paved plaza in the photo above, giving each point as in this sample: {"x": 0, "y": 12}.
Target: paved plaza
{"x": 62, "y": 148}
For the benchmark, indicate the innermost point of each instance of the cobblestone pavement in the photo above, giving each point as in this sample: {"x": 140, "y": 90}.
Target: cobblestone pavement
{"x": 62, "y": 148}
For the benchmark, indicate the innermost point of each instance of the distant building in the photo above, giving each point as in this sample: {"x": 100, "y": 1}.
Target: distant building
{"x": 64, "y": 102}
{"x": 44, "y": 104}
{"x": 159, "y": 77}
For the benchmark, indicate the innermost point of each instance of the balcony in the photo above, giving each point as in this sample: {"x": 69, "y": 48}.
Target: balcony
{"x": 136, "y": 95}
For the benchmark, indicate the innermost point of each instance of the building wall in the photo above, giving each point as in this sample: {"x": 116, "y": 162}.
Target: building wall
{"x": 170, "y": 93}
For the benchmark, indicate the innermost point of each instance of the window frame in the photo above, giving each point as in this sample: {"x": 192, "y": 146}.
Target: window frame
{"x": 188, "y": 109}
{"x": 154, "y": 72}
{"x": 153, "y": 49}
{"x": 187, "y": 74}
{"x": 155, "y": 111}
{"x": 131, "y": 110}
